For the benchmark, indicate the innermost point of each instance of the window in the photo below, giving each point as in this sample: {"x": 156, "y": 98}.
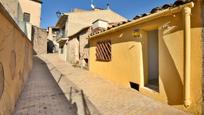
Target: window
{"x": 103, "y": 51}
{"x": 26, "y": 17}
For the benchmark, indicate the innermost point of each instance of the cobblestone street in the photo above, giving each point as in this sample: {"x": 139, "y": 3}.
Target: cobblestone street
{"x": 42, "y": 95}
{"x": 46, "y": 94}
{"x": 108, "y": 98}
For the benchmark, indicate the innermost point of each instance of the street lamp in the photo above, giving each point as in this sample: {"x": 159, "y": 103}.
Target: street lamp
{"x": 59, "y": 14}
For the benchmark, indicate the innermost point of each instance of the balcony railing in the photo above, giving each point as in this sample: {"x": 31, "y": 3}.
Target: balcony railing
{"x": 60, "y": 34}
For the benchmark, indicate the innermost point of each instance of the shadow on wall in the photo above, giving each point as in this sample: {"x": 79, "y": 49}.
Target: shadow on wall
{"x": 34, "y": 52}
{"x": 170, "y": 77}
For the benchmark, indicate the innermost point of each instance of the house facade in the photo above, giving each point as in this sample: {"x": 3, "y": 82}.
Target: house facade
{"x": 14, "y": 9}
{"x": 74, "y": 28}
{"x": 31, "y": 11}
{"x": 158, "y": 53}
{"x": 26, "y": 13}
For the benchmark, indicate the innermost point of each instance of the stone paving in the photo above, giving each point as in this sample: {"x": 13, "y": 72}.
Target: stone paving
{"x": 42, "y": 95}
{"x": 107, "y": 97}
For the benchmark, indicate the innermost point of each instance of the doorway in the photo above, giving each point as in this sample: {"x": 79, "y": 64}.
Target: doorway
{"x": 153, "y": 61}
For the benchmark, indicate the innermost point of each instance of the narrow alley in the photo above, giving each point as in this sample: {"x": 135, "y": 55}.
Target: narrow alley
{"x": 92, "y": 57}
{"x": 41, "y": 94}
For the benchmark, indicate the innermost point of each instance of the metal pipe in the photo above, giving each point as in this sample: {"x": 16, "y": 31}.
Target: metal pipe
{"x": 187, "y": 38}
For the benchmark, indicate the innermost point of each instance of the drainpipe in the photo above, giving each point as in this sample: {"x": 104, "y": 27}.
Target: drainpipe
{"x": 187, "y": 39}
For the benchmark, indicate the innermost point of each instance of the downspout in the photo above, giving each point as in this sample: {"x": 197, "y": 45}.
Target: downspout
{"x": 187, "y": 39}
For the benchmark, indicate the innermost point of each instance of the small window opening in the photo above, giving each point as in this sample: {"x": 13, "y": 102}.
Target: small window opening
{"x": 26, "y": 17}
{"x": 134, "y": 86}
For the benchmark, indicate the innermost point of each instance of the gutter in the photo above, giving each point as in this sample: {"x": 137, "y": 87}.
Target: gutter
{"x": 187, "y": 39}
{"x": 162, "y": 13}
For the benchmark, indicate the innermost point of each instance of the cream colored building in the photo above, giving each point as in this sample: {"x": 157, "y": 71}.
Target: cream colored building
{"x": 31, "y": 11}
{"x": 158, "y": 53}
{"x": 25, "y": 13}
{"x": 73, "y": 23}
{"x": 13, "y": 8}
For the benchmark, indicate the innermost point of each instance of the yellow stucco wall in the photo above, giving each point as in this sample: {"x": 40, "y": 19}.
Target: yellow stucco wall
{"x": 34, "y": 8}
{"x": 16, "y": 63}
{"x": 129, "y": 59}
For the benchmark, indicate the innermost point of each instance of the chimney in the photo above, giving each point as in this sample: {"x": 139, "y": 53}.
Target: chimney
{"x": 99, "y": 25}
{"x": 50, "y": 37}
{"x": 92, "y": 5}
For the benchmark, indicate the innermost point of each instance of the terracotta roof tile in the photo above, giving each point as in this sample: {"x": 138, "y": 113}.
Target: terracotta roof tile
{"x": 181, "y": 2}
{"x": 165, "y": 6}
{"x": 154, "y": 10}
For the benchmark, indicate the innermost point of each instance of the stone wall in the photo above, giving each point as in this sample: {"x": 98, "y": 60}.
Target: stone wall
{"x": 72, "y": 52}
{"x": 84, "y": 46}
{"x": 15, "y": 61}
{"x": 39, "y": 40}
{"x": 77, "y": 47}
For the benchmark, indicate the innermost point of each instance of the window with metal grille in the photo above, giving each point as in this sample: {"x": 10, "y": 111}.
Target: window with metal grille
{"x": 26, "y": 17}
{"x": 103, "y": 51}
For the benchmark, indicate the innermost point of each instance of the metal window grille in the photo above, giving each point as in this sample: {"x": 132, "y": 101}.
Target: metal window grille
{"x": 103, "y": 51}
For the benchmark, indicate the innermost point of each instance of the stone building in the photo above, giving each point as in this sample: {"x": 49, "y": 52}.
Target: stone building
{"x": 157, "y": 53}
{"x": 77, "y": 47}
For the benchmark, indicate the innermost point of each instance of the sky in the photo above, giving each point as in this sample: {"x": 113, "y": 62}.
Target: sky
{"x": 126, "y": 8}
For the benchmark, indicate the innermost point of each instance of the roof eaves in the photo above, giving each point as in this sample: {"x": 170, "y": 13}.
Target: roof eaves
{"x": 61, "y": 40}
{"x": 39, "y": 1}
{"x": 79, "y": 31}
{"x": 62, "y": 19}
{"x": 143, "y": 17}
{"x": 139, "y": 18}
{"x": 99, "y": 20}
